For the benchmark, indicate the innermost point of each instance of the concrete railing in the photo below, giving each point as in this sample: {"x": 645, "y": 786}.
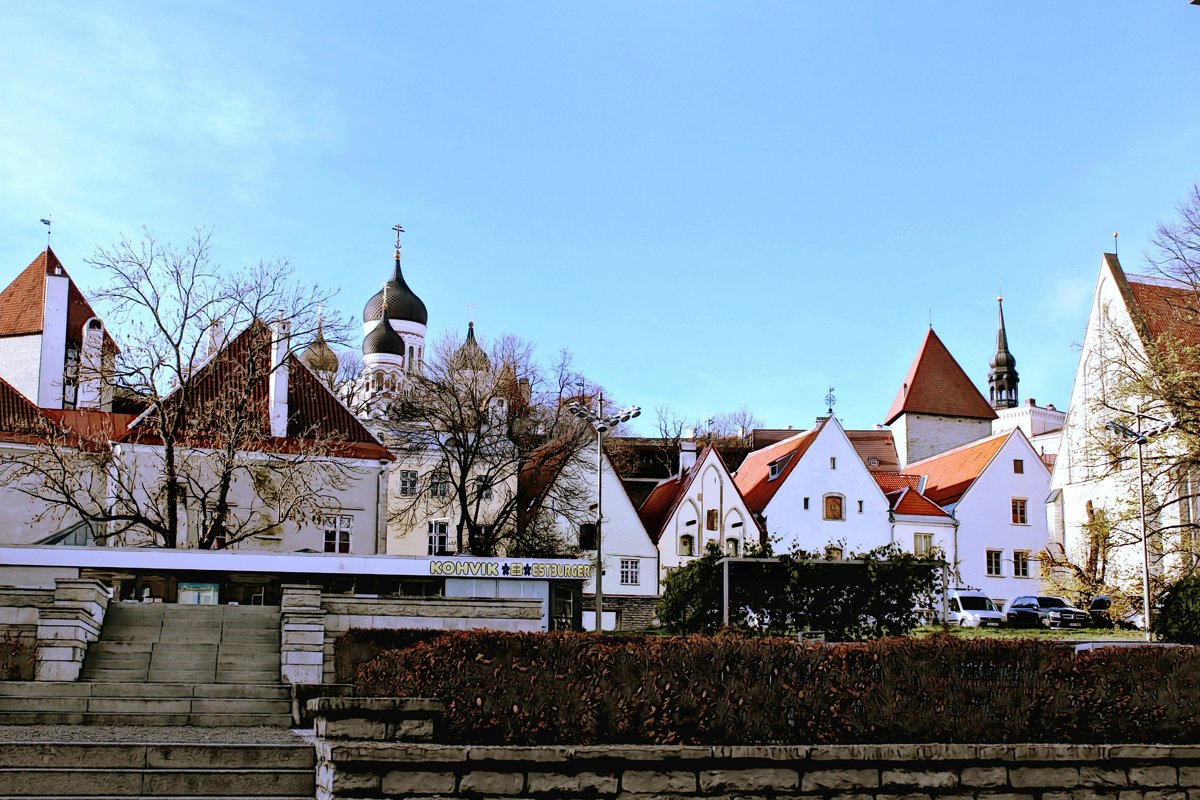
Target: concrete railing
{"x": 66, "y": 628}
{"x": 381, "y": 747}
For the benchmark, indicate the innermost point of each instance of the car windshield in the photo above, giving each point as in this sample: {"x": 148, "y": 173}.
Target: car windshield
{"x": 970, "y": 603}
{"x": 1053, "y": 602}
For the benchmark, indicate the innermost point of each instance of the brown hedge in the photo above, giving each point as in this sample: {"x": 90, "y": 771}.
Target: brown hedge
{"x": 563, "y": 688}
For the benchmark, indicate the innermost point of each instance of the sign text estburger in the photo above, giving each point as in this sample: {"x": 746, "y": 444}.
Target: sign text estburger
{"x": 464, "y": 568}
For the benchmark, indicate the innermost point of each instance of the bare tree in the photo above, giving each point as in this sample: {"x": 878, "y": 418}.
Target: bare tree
{"x": 485, "y": 440}
{"x": 197, "y": 352}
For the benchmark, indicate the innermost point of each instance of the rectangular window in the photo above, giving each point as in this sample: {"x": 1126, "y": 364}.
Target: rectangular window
{"x": 1018, "y": 466}
{"x": 806, "y": 504}
{"x": 711, "y": 520}
{"x": 687, "y": 546}
{"x": 439, "y": 538}
{"x": 1019, "y": 515}
{"x": 338, "y": 528}
{"x": 408, "y": 482}
{"x": 1021, "y": 563}
{"x": 439, "y": 485}
{"x": 833, "y": 553}
{"x": 833, "y": 462}
{"x": 994, "y": 566}
{"x": 860, "y": 502}
{"x": 731, "y": 548}
{"x": 922, "y": 544}
{"x": 833, "y": 507}
{"x": 587, "y": 536}
{"x": 630, "y": 572}
{"x": 484, "y": 487}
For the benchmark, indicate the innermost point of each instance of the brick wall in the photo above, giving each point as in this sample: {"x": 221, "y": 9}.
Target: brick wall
{"x": 361, "y": 769}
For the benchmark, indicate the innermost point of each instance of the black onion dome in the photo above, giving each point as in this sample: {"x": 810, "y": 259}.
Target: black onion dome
{"x": 470, "y": 355}
{"x": 319, "y": 355}
{"x": 402, "y": 302}
{"x": 383, "y": 339}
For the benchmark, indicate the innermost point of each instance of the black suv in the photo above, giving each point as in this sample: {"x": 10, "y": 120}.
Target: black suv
{"x": 1048, "y": 612}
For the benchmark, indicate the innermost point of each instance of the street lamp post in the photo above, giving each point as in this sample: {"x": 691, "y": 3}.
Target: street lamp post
{"x": 1140, "y": 437}
{"x": 601, "y": 423}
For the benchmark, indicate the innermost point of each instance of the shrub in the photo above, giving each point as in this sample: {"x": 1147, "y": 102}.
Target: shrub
{"x": 1179, "y": 618}
{"x": 359, "y": 645}
{"x": 875, "y": 595}
{"x": 563, "y": 688}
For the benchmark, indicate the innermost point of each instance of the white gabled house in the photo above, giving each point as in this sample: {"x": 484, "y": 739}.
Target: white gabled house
{"x": 699, "y": 506}
{"x": 812, "y": 491}
{"x": 995, "y": 489}
{"x": 1093, "y": 506}
{"x": 918, "y": 525}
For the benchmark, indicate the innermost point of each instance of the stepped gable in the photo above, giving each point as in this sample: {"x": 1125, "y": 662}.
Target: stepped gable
{"x": 22, "y": 302}
{"x": 949, "y": 475}
{"x": 753, "y": 478}
{"x": 241, "y": 373}
{"x": 936, "y": 384}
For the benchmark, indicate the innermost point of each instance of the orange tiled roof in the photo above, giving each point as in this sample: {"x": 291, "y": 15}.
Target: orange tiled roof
{"x": 314, "y": 411}
{"x": 878, "y": 445}
{"x": 936, "y": 384}
{"x": 660, "y": 506}
{"x": 895, "y": 481}
{"x": 913, "y": 503}
{"x": 17, "y": 415}
{"x": 949, "y": 475}
{"x": 753, "y": 477}
{"x": 1169, "y": 310}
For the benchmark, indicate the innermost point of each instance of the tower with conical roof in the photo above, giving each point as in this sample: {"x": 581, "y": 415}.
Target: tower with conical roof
{"x": 1002, "y": 379}
{"x": 937, "y": 408}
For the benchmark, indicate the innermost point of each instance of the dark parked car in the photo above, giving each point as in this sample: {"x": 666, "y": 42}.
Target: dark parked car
{"x": 1098, "y": 612}
{"x": 1044, "y": 611}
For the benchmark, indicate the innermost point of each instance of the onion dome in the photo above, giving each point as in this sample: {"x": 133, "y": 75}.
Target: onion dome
{"x": 470, "y": 356}
{"x": 402, "y": 302}
{"x": 383, "y": 338}
{"x": 319, "y": 355}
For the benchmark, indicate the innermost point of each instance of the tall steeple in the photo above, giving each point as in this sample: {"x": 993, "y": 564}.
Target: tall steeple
{"x": 1002, "y": 379}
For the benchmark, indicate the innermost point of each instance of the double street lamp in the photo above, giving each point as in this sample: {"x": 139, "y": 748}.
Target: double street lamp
{"x": 601, "y": 422}
{"x": 1141, "y": 437}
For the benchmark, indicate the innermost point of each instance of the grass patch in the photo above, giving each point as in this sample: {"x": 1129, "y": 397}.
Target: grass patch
{"x": 1075, "y": 635}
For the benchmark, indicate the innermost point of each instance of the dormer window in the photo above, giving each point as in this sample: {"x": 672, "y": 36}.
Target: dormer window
{"x": 775, "y": 468}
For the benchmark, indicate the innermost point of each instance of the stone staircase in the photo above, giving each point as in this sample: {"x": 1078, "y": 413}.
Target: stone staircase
{"x": 159, "y": 664}
{"x": 177, "y": 771}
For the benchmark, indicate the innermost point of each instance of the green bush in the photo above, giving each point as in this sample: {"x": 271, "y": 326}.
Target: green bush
{"x": 1179, "y": 618}
{"x": 876, "y": 594}
{"x": 563, "y": 688}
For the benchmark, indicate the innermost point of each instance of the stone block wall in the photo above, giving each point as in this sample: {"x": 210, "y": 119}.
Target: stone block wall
{"x": 19, "y": 612}
{"x": 633, "y": 613}
{"x": 377, "y": 769}
{"x": 66, "y": 628}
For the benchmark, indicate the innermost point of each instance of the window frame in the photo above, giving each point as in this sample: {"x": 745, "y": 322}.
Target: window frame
{"x": 919, "y": 550}
{"x": 1021, "y": 561}
{"x": 1018, "y": 466}
{"x": 998, "y": 572}
{"x": 439, "y": 484}
{"x": 408, "y": 482}
{"x": 1020, "y": 510}
{"x": 840, "y": 500}
{"x": 444, "y": 534}
{"x": 631, "y": 571}
{"x": 338, "y": 530}
{"x": 687, "y": 545}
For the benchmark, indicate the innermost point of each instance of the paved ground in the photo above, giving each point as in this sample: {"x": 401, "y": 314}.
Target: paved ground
{"x": 147, "y": 734}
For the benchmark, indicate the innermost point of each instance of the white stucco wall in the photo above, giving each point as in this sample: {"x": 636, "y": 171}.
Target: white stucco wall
{"x": 53, "y": 353}
{"x": 20, "y": 363}
{"x": 985, "y": 521}
{"x": 793, "y": 525}
{"x": 713, "y": 490}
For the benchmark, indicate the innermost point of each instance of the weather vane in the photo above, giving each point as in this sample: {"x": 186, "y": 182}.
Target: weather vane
{"x": 399, "y": 230}
{"x": 830, "y": 401}
{"x": 1115, "y": 235}
{"x": 46, "y": 222}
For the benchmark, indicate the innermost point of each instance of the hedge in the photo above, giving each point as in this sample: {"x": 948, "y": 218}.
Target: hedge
{"x": 565, "y": 688}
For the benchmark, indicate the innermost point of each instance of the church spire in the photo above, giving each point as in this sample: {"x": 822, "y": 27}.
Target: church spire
{"x": 1002, "y": 378}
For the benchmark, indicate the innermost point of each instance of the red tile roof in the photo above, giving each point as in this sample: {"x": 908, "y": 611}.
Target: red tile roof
{"x": 949, "y": 475}
{"x": 22, "y": 302}
{"x": 895, "y": 481}
{"x": 936, "y": 384}
{"x": 662, "y": 503}
{"x": 240, "y": 374}
{"x": 753, "y": 477}
{"x": 913, "y": 503}
{"x": 17, "y": 415}
{"x": 878, "y": 445}
{"x": 1168, "y": 309}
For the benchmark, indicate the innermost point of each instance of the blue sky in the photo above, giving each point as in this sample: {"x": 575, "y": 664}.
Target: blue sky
{"x": 710, "y": 204}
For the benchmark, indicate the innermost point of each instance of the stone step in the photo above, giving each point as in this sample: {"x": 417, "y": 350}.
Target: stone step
{"x": 194, "y": 719}
{"x": 84, "y": 782}
{"x": 48, "y": 689}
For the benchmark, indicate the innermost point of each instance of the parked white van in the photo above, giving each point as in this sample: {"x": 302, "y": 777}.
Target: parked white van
{"x": 972, "y": 609}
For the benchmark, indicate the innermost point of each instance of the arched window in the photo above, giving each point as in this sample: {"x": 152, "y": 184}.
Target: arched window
{"x": 835, "y": 506}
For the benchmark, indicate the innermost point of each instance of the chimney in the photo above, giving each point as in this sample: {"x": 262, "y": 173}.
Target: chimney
{"x": 91, "y": 364}
{"x": 687, "y": 456}
{"x": 54, "y": 340}
{"x": 281, "y": 344}
{"x": 216, "y": 337}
